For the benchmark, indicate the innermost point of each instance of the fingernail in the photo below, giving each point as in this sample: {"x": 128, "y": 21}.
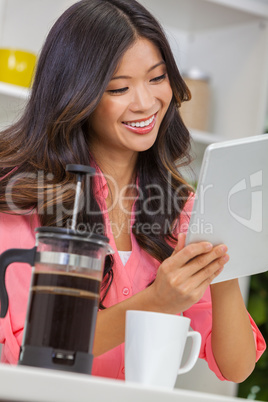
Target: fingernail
{"x": 226, "y": 258}
{"x": 208, "y": 246}
{"x": 224, "y": 248}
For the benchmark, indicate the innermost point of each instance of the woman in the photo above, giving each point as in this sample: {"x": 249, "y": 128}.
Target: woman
{"x": 106, "y": 93}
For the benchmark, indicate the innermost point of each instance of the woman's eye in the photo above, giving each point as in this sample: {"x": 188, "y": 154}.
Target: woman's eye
{"x": 159, "y": 78}
{"x": 118, "y": 91}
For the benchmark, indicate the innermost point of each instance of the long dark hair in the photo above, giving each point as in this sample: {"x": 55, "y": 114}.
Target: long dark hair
{"x": 77, "y": 61}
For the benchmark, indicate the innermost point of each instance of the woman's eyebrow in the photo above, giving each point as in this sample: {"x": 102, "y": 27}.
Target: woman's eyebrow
{"x": 118, "y": 77}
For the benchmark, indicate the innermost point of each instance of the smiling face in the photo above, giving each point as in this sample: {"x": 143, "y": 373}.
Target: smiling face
{"x": 134, "y": 104}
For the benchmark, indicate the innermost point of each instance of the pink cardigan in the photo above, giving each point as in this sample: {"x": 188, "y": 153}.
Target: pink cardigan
{"x": 140, "y": 270}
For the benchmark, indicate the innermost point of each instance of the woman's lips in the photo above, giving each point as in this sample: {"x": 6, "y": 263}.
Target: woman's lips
{"x": 142, "y": 130}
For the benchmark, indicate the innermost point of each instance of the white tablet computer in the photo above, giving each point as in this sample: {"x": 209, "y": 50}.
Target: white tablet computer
{"x": 231, "y": 204}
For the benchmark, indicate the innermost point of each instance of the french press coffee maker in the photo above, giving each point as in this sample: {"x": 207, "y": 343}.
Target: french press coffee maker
{"x": 64, "y": 293}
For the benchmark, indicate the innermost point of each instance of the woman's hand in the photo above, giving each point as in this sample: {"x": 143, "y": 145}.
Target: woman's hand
{"x": 183, "y": 278}
{"x": 180, "y": 282}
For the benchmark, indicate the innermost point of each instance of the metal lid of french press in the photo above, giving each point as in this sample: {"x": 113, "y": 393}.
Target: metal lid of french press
{"x": 73, "y": 234}
{"x": 69, "y": 234}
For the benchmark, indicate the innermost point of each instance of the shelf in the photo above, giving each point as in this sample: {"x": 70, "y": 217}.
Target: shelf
{"x": 13, "y": 91}
{"x": 12, "y": 102}
{"x": 205, "y": 138}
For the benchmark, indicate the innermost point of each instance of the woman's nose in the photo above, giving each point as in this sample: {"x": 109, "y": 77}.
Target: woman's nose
{"x": 143, "y": 99}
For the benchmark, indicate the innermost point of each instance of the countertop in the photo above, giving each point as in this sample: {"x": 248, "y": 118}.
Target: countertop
{"x": 29, "y": 384}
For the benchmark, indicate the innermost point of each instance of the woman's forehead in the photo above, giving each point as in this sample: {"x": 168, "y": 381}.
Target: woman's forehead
{"x": 143, "y": 53}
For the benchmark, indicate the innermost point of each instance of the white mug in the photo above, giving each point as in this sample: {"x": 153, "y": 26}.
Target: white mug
{"x": 154, "y": 345}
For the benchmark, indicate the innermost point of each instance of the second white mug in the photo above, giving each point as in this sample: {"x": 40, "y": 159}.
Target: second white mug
{"x": 154, "y": 346}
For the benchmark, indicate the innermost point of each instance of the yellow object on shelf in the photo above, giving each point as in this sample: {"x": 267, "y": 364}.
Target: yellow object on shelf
{"x": 17, "y": 66}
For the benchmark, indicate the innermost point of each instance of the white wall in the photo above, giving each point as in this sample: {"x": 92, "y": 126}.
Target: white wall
{"x": 25, "y": 24}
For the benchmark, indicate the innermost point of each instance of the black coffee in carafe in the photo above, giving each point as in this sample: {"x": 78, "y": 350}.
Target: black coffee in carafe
{"x": 63, "y": 308}
{"x": 64, "y": 294}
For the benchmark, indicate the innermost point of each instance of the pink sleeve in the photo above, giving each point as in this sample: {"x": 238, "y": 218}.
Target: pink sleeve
{"x": 201, "y": 321}
{"x": 15, "y": 232}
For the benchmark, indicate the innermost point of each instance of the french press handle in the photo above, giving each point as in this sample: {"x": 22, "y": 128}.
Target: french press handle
{"x": 7, "y": 258}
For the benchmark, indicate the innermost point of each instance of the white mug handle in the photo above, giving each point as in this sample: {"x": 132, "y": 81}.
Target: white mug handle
{"x": 196, "y": 338}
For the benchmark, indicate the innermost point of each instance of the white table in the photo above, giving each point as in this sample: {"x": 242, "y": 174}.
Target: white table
{"x": 29, "y": 384}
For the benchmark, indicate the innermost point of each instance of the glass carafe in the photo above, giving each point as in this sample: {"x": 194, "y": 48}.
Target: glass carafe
{"x": 64, "y": 297}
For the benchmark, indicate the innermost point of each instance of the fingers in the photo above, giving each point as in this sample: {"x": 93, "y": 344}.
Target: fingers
{"x": 205, "y": 260}
{"x": 188, "y": 253}
{"x": 197, "y": 257}
{"x": 206, "y": 275}
{"x": 181, "y": 243}
{"x": 183, "y": 278}
{"x": 192, "y": 287}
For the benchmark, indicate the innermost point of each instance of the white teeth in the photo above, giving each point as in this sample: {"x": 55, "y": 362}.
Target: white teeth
{"x": 141, "y": 123}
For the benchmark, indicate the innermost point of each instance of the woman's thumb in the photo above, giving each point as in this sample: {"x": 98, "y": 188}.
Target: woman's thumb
{"x": 181, "y": 243}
